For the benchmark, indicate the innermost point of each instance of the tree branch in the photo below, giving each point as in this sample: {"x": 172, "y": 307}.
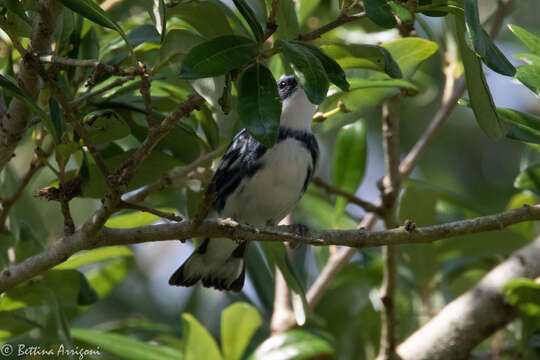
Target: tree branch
{"x": 227, "y": 228}
{"x": 271, "y": 25}
{"x": 14, "y": 123}
{"x": 342, "y": 19}
{"x": 475, "y": 315}
{"x": 366, "y": 205}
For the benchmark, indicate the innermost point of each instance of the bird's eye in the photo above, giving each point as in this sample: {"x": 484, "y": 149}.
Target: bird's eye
{"x": 282, "y": 85}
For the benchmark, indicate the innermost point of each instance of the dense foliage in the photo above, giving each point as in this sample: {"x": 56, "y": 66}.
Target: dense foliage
{"x": 112, "y": 76}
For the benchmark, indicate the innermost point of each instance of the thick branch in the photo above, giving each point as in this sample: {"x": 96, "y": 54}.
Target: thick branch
{"x": 475, "y": 315}
{"x": 227, "y": 228}
{"x": 14, "y": 123}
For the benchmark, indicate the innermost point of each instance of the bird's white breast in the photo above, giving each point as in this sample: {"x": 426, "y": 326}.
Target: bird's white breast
{"x": 273, "y": 191}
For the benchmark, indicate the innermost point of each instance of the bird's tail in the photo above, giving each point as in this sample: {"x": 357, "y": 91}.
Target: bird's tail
{"x": 218, "y": 263}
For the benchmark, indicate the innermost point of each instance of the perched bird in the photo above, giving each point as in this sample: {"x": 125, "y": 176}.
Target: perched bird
{"x": 258, "y": 186}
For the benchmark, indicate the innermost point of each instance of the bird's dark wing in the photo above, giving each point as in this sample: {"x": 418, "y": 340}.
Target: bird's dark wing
{"x": 241, "y": 159}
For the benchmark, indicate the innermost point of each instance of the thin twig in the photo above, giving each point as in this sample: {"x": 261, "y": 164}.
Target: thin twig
{"x": 175, "y": 176}
{"x": 342, "y": 19}
{"x": 145, "y": 92}
{"x": 162, "y": 214}
{"x": 334, "y": 265}
{"x": 271, "y": 25}
{"x": 92, "y": 63}
{"x": 117, "y": 82}
{"x": 366, "y": 205}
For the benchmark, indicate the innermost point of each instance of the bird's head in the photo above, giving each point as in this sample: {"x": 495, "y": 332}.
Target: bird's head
{"x": 296, "y": 105}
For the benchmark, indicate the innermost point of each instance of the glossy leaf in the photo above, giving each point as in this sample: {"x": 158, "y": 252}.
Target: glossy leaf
{"x": 410, "y": 53}
{"x": 125, "y": 347}
{"x": 14, "y": 324}
{"x": 158, "y": 14}
{"x": 145, "y": 33}
{"x": 381, "y": 82}
{"x": 207, "y": 18}
{"x": 251, "y": 19}
{"x": 529, "y": 75}
{"x": 259, "y": 105}
{"x": 520, "y": 126}
{"x": 402, "y": 13}
{"x": 308, "y": 70}
{"x": 529, "y": 179}
{"x": 349, "y": 163}
{"x": 288, "y": 28}
{"x": 107, "y": 277}
{"x": 380, "y": 12}
{"x": 293, "y": 345}
{"x": 529, "y": 39}
{"x": 134, "y": 219}
{"x": 364, "y": 56}
{"x": 104, "y": 126}
{"x": 238, "y": 324}
{"x": 481, "y": 100}
{"x": 482, "y": 43}
{"x": 198, "y": 343}
{"x": 20, "y": 94}
{"x": 57, "y": 119}
{"x": 218, "y": 56}
{"x": 178, "y": 42}
{"x": 334, "y": 72}
{"x": 95, "y": 255}
{"x": 155, "y": 165}
{"x": 93, "y": 12}
{"x": 64, "y": 283}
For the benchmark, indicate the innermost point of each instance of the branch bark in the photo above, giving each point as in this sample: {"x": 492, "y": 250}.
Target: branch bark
{"x": 468, "y": 320}
{"x": 14, "y": 123}
{"x": 67, "y": 246}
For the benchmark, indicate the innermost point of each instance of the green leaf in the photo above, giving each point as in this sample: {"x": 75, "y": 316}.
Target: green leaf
{"x": 276, "y": 255}
{"x": 293, "y": 345}
{"x": 92, "y": 11}
{"x": 520, "y": 126}
{"x": 124, "y": 347}
{"x": 238, "y": 324}
{"x": 87, "y": 294}
{"x": 530, "y": 59}
{"x": 107, "y": 277}
{"x": 251, "y": 19}
{"x": 134, "y": 219}
{"x": 529, "y": 75}
{"x": 529, "y": 179}
{"x": 259, "y": 105}
{"x": 64, "y": 283}
{"x": 143, "y": 34}
{"x": 95, "y": 255}
{"x": 287, "y": 21}
{"x": 333, "y": 70}
{"x": 349, "y": 163}
{"x": 207, "y": 18}
{"x": 403, "y": 14}
{"x": 57, "y": 119}
{"x": 524, "y": 294}
{"x": 16, "y": 7}
{"x": 523, "y": 198}
{"x": 380, "y": 82}
{"x": 14, "y": 324}
{"x": 308, "y": 70}
{"x": 218, "y": 56}
{"x": 154, "y": 166}
{"x": 177, "y": 42}
{"x": 198, "y": 343}
{"x": 104, "y": 126}
{"x": 23, "y": 96}
{"x": 482, "y": 43}
{"x": 364, "y": 56}
{"x": 481, "y": 100}
{"x": 380, "y": 12}
{"x": 530, "y": 40}
{"x": 410, "y": 53}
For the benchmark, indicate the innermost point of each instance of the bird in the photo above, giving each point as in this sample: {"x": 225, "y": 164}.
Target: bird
{"x": 255, "y": 185}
